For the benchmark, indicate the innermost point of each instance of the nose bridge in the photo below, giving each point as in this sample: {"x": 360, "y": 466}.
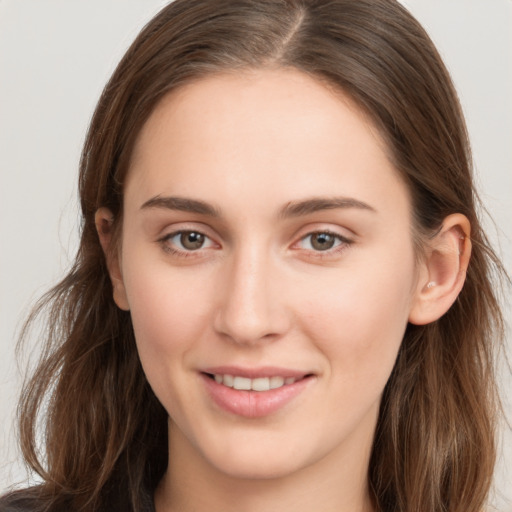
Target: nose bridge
{"x": 249, "y": 309}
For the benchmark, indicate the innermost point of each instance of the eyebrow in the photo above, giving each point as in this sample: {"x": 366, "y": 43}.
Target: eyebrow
{"x": 291, "y": 209}
{"x": 183, "y": 204}
{"x": 308, "y": 206}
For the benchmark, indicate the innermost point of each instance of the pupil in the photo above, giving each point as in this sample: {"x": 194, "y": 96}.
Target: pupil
{"x": 322, "y": 241}
{"x": 191, "y": 240}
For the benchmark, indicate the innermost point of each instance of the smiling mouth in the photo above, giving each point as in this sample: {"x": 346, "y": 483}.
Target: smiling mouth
{"x": 255, "y": 392}
{"x": 257, "y": 384}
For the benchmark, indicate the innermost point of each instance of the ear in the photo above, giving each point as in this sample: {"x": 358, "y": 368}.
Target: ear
{"x": 104, "y": 221}
{"x": 443, "y": 272}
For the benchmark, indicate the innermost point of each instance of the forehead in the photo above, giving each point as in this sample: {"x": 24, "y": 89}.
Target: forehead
{"x": 271, "y": 99}
{"x": 273, "y": 132}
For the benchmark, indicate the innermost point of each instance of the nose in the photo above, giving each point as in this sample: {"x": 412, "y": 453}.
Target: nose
{"x": 251, "y": 307}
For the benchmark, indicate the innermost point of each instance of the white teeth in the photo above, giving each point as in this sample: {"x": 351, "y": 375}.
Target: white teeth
{"x": 276, "y": 382}
{"x": 258, "y": 384}
{"x": 228, "y": 380}
{"x": 242, "y": 383}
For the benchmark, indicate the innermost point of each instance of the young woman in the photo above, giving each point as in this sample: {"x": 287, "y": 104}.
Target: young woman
{"x": 282, "y": 296}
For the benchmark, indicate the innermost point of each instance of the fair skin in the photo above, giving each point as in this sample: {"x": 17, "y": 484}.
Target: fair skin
{"x": 266, "y": 234}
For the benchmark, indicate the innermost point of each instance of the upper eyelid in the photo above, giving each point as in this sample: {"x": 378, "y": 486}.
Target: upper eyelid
{"x": 186, "y": 227}
{"x": 343, "y": 233}
{"x": 165, "y": 243}
{"x": 175, "y": 232}
{"x": 324, "y": 227}
{"x": 326, "y": 231}
{"x": 343, "y": 239}
{"x": 172, "y": 234}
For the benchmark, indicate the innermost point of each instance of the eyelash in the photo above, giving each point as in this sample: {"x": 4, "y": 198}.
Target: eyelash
{"x": 343, "y": 243}
{"x": 181, "y": 253}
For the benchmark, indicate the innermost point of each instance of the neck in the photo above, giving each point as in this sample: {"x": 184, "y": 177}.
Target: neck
{"x": 333, "y": 483}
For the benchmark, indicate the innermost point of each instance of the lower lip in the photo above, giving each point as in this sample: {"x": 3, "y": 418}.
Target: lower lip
{"x": 253, "y": 404}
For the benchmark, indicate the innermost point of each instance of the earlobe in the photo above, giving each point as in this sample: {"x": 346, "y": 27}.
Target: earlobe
{"x": 443, "y": 271}
{"x": 104, "y": 222}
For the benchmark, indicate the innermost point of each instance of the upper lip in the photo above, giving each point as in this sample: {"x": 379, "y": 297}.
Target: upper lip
{"x": 256, "y": 372}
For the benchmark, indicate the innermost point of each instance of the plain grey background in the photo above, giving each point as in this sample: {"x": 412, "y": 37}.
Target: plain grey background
{"x": 55, "y": 57}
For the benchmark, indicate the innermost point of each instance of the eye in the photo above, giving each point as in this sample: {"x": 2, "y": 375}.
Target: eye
{"x": 186, "y": 241}
{"x": 322, "y": 241}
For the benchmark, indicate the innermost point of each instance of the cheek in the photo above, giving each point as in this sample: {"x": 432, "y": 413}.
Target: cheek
{"x": 358, "y": 320}
{"x": 168, "y": 318}
{"x": 169, "y": 312}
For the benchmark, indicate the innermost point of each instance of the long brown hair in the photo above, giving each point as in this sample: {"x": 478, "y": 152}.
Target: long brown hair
{"x": 105, "y": 433}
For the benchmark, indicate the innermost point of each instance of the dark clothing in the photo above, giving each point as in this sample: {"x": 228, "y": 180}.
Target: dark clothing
{"x": 29, "y": 500}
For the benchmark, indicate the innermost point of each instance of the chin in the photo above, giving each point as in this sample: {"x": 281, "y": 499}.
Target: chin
{"x": 255, "y": 461}
{"x": 257, "y": 470}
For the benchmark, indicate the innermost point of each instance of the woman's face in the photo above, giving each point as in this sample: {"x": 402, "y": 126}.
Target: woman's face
{"x": 267, "y": 246}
